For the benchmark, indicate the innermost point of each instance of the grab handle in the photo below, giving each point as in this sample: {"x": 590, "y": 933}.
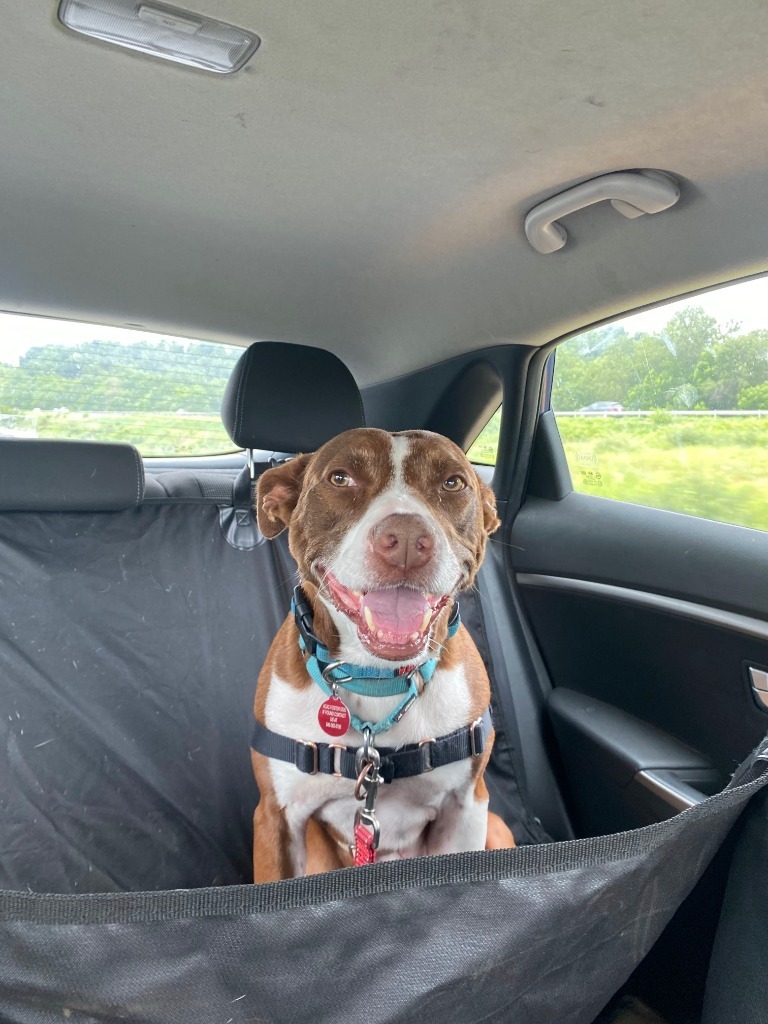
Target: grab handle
{"x": 631, "y": 193}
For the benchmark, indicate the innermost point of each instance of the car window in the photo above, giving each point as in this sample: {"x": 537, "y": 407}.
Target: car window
{"x": 669, "y": 408}
{"x": 486, "y": 444}
{"x": 60, "y": 379}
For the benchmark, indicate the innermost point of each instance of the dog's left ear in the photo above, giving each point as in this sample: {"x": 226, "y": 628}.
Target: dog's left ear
{"x": 491, "y": 521}
{"x": 277, "y": 492}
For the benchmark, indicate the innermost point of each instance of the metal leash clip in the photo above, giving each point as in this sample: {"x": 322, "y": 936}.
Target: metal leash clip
{"x": 366, "y": 829}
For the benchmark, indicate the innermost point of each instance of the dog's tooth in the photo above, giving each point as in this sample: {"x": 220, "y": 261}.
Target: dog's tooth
{"x": 357, "y": 593}
{"x": 414, "y": 636}
{"x": 380, "y": 634}
{"x": 369, "y": 619}
{"x": 425, "y": 621}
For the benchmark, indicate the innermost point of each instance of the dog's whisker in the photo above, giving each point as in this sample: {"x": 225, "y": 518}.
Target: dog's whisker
{"x": 295, "y": 577}
{"x": 505, "y": 544}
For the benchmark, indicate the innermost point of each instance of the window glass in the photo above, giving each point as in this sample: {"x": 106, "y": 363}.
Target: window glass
{"x": 669, "y": 408}
{"x": 486, "y": 444}
{"x": 60, "y": 379}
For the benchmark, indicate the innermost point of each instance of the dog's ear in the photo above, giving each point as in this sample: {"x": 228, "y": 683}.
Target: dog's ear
{"x": 491, "y": 521}
{"x": 277, "y": 492}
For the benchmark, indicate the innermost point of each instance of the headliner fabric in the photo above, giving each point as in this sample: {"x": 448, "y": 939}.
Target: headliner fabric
{"x": 362, "y": 184}
{"x": 291, "y": 398}
{"x": 538, "y": 934}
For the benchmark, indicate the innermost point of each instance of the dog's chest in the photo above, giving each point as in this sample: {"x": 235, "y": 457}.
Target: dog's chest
{"x": 404, "y": 807}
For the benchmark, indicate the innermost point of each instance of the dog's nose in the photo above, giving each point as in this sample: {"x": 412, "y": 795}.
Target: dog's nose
{"x": 403, "y": 541}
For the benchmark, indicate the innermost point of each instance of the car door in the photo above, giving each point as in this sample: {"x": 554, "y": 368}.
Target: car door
{"x": 652, "y": 622}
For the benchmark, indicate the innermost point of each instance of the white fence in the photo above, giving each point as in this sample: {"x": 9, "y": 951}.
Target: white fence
{"x": 711, "y": 413}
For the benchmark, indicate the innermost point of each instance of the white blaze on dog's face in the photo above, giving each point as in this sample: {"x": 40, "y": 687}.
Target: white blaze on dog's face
{"x": 388, "y": 526}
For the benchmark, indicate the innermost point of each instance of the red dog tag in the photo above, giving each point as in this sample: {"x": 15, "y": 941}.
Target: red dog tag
{"x": 333, "y": 716}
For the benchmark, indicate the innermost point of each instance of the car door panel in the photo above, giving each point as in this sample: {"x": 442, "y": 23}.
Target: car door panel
{"x": 628, "y": 771}
{"x": 645, "y": 617}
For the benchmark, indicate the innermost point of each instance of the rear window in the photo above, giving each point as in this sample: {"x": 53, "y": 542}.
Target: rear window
{"x": 60, "y": 379}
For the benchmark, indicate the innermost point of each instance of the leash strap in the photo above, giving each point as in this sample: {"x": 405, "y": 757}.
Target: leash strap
{"x": 396, "y": 763}
{"x": 365, "y": 849}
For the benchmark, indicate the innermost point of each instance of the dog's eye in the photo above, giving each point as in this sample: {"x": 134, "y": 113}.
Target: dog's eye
{"x": 341, "y": 479}
{"x": 454, "y": 483}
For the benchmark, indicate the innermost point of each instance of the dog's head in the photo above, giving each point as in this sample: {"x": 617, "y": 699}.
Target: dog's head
{"x": 388, "y": 527}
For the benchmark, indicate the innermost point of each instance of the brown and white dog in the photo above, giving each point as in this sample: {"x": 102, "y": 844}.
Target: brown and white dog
{"x": 386, "y": 529}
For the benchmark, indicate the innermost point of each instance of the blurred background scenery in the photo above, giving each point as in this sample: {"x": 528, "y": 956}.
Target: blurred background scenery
{"x": 667, "y": 408}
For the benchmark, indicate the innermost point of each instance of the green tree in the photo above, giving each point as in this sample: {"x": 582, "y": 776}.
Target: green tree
{"x": 729, "y": 367}
{"x": 754, "y": 398}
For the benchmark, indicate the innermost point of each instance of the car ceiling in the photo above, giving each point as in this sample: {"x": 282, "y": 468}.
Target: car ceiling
{"x": 362, "y": 184}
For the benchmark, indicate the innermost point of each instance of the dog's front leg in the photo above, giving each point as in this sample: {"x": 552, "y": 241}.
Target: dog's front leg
{"x": 279, "y": 843}
{"x": 279, "y": 824}
{"x": 461, "y": 823}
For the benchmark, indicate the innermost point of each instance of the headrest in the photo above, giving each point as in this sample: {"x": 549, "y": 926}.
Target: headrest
{"x": 289, "y": 398}
{"x": 68, "y": 476}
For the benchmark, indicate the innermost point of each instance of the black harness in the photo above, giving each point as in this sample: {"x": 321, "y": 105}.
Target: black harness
{"x": 341, "y": 761}
{"x": 396, "y": 762}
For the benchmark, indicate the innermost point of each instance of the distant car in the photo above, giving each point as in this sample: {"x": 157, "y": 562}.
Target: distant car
{"x": 603, "y": 407}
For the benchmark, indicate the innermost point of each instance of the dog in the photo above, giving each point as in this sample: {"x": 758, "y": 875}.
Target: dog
{"x": 373, "y": 728}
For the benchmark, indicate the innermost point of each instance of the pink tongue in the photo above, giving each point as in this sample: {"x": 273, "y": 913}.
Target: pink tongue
{"x": 399, "y": 610}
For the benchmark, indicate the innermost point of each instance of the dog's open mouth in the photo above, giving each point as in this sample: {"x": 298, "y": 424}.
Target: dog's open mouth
{"x": 393, "y": 623}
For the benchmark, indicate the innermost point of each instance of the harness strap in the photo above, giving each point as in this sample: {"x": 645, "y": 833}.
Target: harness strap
{"x": 396, "y": 763}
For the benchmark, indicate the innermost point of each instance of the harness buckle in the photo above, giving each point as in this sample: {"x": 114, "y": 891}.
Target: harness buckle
{"x": 304, "y": 619}
{"x": 313, "y": 747}
{"x": 477, "y": 737}
{"x": 337, "y": 773}
{"x": 425, "y": 753}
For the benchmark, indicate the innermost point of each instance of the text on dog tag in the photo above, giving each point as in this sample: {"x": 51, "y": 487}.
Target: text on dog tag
{"x": 333, "y": 716}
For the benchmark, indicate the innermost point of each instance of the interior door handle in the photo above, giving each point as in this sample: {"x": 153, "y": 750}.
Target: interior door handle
{"x": 631, "y": 193}
{"x": 669, "y": 787}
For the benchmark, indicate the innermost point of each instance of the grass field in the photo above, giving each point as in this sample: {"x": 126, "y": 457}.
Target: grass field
{"x": 153, "y": 434}
{"x": 713, "y": 468}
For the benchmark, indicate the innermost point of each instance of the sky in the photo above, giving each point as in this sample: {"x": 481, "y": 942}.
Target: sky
{"x": 18, "y": 333}
{"x": 746, "y": 303}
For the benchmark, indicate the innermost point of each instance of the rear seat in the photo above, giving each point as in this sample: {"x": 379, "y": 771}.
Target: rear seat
{"x": 136, "y": 615}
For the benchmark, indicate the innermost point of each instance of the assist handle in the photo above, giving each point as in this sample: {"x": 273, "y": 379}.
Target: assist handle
{"x": 632, "y": 193}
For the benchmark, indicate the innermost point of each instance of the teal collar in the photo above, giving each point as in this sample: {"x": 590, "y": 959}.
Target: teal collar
{"x": 331, "y": 675}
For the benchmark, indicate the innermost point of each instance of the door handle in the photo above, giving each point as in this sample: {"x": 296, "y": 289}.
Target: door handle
{"x": 758, "y": 679}
{"x": 669, "y": 787}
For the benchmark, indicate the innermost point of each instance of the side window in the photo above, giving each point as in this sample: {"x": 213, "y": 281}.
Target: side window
{"x": 486, "y": 444}
{"x": 669, "y": 408}
{"x": 60, "y": 379}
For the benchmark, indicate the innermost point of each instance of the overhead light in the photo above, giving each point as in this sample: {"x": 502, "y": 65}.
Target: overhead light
{"x": 162, "y": 31}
